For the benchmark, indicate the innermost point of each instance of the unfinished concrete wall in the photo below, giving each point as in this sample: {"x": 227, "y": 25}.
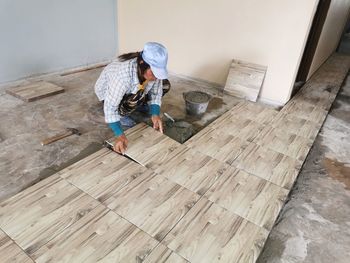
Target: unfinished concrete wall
{"x": 41, "y": 36}
{"x": 331, "y": 33}
{"x": 203, "y": 36}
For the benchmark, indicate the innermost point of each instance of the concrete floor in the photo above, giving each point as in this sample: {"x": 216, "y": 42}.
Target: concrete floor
{"x": 314, "y": 225}
{"x": 23, "y": 161}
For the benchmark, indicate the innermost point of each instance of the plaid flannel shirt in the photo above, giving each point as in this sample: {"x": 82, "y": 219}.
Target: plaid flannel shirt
{"x": 118, "y": 79}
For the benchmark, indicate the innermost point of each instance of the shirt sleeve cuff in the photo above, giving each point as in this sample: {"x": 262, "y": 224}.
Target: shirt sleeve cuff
{"x": 154, "y": 109}
{"x": 116, "y": 127}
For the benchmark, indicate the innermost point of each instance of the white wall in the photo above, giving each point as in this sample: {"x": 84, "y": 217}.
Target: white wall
{"x": 40, "y": 36}
{"x": 331, "y": 33}
{"x": 204, "y": 35}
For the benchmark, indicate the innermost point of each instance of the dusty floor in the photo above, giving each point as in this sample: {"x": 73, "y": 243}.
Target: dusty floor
{"x": 314, "y": 226}
{"x": 23, "y": 161}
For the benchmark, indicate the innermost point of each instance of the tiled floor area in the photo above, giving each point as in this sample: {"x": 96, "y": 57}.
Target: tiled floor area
{"x": 213, "y": 199}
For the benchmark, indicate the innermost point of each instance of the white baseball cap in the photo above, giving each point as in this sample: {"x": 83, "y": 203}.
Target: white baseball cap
{"x": 156, "y": 55}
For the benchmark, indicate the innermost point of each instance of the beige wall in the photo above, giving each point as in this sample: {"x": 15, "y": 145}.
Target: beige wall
{"x": 331, "y": 32}
{"x": 203, "y": 36}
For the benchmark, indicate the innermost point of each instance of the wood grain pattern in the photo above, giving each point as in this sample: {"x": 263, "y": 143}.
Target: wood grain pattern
{"x": 41, "y": 212}
{"x": 269, "y": 165}
{"x": 217, "y": 144}
{"x": 162, "y": 254}
{"x": 305, "y": 111}
{"x": 201, "y": 209}
{"x": 10, "y": 252}
{"x": 333, "y": 71}
{"x": 85, "y": 163}
{"x": 295, "y": 125}
{"x": 243, "y": 129}
{"x": 153, "y": 203}
{"x": 248, "y": 196}
{"x": 321, "y": 96}
{"x": 35, "y": 91}
{"x": 101, "y": 236}
{"x": 103, "y": 174}
{"x": 191, "y": 169}
{"x": 215, "y": 124}
{"x": 209, "y": 233}
{"x": 245, "y": 79}
{"x": 284, "y": 142}
{"x": 317, "y": 87}
{"x": 231, "y": 124}
{"x": 244, "y": 121}
{"x": 254, "y": 111}
{"x": 147, "y": 145}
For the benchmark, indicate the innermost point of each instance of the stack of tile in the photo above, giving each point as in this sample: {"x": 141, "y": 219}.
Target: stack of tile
{"x": 213, "y": 199}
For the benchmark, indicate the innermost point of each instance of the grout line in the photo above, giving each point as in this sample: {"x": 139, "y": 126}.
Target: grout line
{"x": 200, "y": 198}
{"x": 16, "y": 244}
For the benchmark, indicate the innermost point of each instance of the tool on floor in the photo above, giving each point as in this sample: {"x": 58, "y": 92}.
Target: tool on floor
{"x": 169, "y": 117}
{"x": 68, "y": 132}
{"x": 110, "y": 146}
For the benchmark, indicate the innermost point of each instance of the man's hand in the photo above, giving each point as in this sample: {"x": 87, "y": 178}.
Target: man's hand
{"x": 157, "y": 123}
{"x": 120, "y": 144}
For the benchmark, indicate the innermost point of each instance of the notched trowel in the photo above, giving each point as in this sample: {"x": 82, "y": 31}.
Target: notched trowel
{"x": 110, "y": 146}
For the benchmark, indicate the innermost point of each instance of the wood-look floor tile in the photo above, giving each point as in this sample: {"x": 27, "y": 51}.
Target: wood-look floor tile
{"x": 153, "y": 203}
{"x": 220, "y": 121}
{"x": 191, "y": 169}
{"x": 210, "y": 233}
{"x": 101, "y": 236}
{"x": 248, "y": 196}
{"x": 268, "y": 164}
{"x": 316, "y": 88}
{"x": 212, "y": 126}
{"x": 244, "y": 129}
{"x": 305, "y": 111}
{"x": 39, "y": 213}
{"x": 254, "y": 111}
{"x": 326, "y": 77}
{"x": 322, "y": 97}
{"x": 281, "y": 141}
{"x": 218, "y": 144}
{"x": 10, "y": 252}
{"x": 232, "y": 124}
{"x": 296, "y": 125}
{"x": 245, "y": 79}
{"x": 35, "y": 91}
{"x": 103, "y": 175}
{"x": 333, "y": 71}
{"x": 147, "y": 145}
{"x": 162, "y": 254}
{"x": 85, "y": 163}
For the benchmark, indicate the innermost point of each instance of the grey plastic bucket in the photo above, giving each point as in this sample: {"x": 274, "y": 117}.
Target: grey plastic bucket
{"x": 196, "y": 102}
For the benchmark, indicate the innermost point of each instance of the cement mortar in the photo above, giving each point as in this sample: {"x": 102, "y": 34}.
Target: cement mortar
{"x": 179, "y": 130}
{"x": 23, "y": 161}
{"x": 197, "y": 97}
{"x": 314, "y": 226}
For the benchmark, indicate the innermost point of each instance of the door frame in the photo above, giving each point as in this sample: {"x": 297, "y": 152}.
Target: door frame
{"x": 312, "y": 41}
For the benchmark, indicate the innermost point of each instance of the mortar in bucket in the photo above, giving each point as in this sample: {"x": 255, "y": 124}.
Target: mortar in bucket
{"x": 196, "y": 102}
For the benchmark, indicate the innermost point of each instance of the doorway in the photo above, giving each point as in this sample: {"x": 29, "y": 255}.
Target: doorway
{"x": 311, "y": 44}
{"x": 344, "y": 43}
